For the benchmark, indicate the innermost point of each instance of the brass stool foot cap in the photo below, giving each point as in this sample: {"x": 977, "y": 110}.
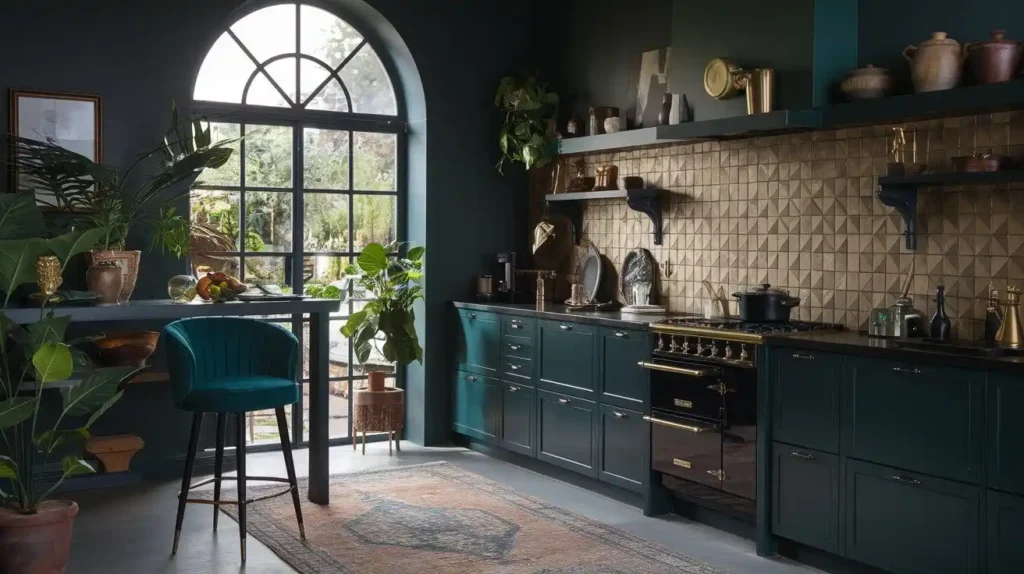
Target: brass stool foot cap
{"x": 243, "y": 550}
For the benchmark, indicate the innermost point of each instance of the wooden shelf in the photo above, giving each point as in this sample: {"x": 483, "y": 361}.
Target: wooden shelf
{"x": 782, "y": 121}
{"x": 646, "y": 201}
{"x": 149, "y": 377}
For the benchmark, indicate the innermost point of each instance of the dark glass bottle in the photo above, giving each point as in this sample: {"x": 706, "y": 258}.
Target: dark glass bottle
{"x": 941, "y": 327}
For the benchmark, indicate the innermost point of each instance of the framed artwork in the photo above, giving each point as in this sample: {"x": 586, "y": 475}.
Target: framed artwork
{"x": 652, "y": 85}
{"x": 72, "y": 121}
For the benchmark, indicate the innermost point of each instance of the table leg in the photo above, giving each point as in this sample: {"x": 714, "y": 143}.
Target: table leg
{"x": 391, "y": 436}
{"x": 319, "y": 456}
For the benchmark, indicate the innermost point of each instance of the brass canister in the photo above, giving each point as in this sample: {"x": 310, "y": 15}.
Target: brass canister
{"x": 765, "y": 80}
{"x": 48, "y": 274}
{"x": 1011, "y": 332}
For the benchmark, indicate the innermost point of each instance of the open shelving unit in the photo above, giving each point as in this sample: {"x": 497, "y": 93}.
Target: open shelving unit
{"x": 646, "y": 201}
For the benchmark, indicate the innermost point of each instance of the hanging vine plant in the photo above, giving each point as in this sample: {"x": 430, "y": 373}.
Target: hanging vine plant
{"x": 528, "y": 131}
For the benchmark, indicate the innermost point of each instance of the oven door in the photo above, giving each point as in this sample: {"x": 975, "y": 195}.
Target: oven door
{"x": 686, "y": 388}
{"x": 686, "y": 447}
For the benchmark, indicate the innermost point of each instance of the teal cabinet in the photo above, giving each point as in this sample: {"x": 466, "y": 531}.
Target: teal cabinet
{"x": 805, "y": 399}
{"x": 567, "y": 357}
{"x": 1006, "y": 433}
{"x": 517, "y": 347}
{"x": 516, "y": 369}
{"x": 1005, "y": 533}
{"x": 517, "y": 412}
{"x": 621, "y": 454}
{"x": 476, "y": 403}
{"x": 622, "y": 381}
{"x": 478, "y": 342}
{"x": 805, "y": 496}
{"x": 513, "y": 326}
{"x": 908, "y": 522}
{"x": 567, "y": 432}
{"x": 917, "y": 417}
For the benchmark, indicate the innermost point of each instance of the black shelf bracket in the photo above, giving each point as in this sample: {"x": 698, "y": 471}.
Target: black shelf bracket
{"x": 904, "y": 199}
{"x": 649, "y": 205}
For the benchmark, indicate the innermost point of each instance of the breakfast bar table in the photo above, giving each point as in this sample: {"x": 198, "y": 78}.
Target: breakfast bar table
{"x": 319, "y": 311}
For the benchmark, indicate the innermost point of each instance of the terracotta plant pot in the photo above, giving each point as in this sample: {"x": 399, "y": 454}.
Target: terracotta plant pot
{"x": 995, "y": 60}
{"x": 376, "y": 381}
{"x": 936, "y": 64}
{"x": 127, "y": 349}
{"x": 38, "y": 543}
{"x": 128, "y": 261}
{"x": 866, "y": 83}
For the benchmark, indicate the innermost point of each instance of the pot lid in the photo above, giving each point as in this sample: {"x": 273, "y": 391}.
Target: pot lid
{"x": 997, "y": 38}
{"x": 765, "y": 289}
{"x": 940, "y": 39}
{"x": 869, "y": 70}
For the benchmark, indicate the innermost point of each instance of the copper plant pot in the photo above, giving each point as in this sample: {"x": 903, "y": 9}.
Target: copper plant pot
{"x": 128, "y": 261}
{"x": 376, "y": 381}
{"x": 995, "y": 60}
{"x": 39, "y": 543}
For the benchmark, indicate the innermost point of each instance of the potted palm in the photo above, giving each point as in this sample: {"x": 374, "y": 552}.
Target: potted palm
{"x": 35, "y": 532}
{"x": 386, "y": 326}
{"x": 113, "y": 201}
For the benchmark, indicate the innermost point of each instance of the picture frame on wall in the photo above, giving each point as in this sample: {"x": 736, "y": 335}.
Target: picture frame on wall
{"x": 72, "y": 121}
{"x": 650, "y": 76}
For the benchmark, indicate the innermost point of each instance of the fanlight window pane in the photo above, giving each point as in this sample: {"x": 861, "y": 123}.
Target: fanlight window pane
{"x": 331, "y": 98}
{"x": 327, "y": 37}
{"x": 368, "y": 84}
{"x": 224, "y": 72}
{"x": 312, "y": 75}
{"x": 268, "y": 156}
{"x": 283, "y": 72}
{"x": 326, "y": 159}
{"x": 268, "y": 32}
{"x": 263, "y": 93}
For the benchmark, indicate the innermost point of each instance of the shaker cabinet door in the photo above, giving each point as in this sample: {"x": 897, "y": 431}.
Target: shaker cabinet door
{"x": 805, "y": 496}
{"x": 1005, "y": 433}
{"x": 517, "y": 411}
{"x": 567, "y": 432}
{"x": 567, "y": 357}
{"x": 805, "y": 398}
{"x": 475, "y": 404}
{"x": 1005, "y": 533}
{"x": 478, "y": 342}
{"x": 622, "y": 435}
{"x": 622, "y": 381}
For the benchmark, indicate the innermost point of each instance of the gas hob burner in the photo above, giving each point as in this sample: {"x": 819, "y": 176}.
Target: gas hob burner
{"x": 746, "y": 326}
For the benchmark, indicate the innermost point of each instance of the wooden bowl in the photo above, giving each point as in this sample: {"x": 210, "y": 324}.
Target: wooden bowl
{"x": 127, "y": 349}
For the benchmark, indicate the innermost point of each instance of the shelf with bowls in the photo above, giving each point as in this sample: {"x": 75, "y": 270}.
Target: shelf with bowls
{"x": 646, "y": 201}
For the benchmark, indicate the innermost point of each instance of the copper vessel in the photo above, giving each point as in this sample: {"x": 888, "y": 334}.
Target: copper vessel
{"x": 995, "y": 60}
{"x": 105, "y": 279}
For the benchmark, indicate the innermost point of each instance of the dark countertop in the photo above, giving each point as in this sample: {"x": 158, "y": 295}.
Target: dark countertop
{"x": 142, "y": 309}
{"x": 858, "y": 343}
{"x": 557, "y": 312}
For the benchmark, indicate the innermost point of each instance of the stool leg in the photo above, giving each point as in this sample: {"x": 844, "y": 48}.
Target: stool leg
{"x": 286, "y": 448}
{"x": 398, "y": 440}
{"x": 391, "y": 436}
{"x": 240, "y": 449}
{"x": 186, "y": 479}
{"x": 364, "y": 442}
{"x": 218, "y": 465}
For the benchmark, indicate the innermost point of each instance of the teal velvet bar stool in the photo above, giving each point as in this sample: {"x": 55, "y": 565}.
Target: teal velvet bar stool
{"x": 235, "y": 365}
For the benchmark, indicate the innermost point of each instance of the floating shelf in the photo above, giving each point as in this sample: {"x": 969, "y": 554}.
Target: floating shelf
{"x": 782, "y": 121}
{"x": 603, "y": 142}
{"x": 143, "y": 377}
{"x": 900, "y": 191}
{"x": 646, "y": 201}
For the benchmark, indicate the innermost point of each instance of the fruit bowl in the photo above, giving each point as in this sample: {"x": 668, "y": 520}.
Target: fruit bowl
{"x": 218, "y": 286}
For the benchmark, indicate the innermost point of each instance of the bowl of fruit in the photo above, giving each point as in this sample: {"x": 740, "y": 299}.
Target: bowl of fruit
{"x": 218, "y": 287}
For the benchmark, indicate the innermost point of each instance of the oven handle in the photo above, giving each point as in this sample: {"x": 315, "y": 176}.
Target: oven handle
{"x": 680, "y": 370}
{"x": 689, "y": 428}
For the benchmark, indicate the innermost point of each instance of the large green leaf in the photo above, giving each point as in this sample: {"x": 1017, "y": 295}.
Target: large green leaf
{"x": 18, "y": 262}
{"x": 49, "y": 440}
{"x": 103, "y": 408}
{"x": 74, "y": 466}
{"x": 20, "y": 218}
{"x": 71, "y": 178}
{"x": 15, "y": 410}
{"x": 355, "y": 320}
{"x": 95, "y": 390}
{"x": 74, "y": 242}
{"x": 373, "y": 259}
{"x": 49, "y": 329}
{"x": 8, "y": 468}
{"x": 53, "y": 362}
{"x": 416, "y": 253}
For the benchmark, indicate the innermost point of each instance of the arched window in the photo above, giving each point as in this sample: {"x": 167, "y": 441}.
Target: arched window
{"x": 317, "y": 173}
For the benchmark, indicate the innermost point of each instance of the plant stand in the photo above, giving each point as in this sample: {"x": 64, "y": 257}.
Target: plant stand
{"x": 115, "y": 452}
{"x": 379, "y": 411}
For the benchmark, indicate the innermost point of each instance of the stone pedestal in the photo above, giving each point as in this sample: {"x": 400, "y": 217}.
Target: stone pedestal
{"x": 378, "y": 411}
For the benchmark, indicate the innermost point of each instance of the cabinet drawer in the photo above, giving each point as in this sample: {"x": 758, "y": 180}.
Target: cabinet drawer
{"x": 566, "y": 357}
{"x": 686, "y": 448}
{"x": 517, "y": 412}
{"x": 524, "y": 327}
{"x": 925, "y": 419}
{"x": 906, "y": 522}
{"x": 1005, "y": 533}
{"x": 1005, "y": 433}
{"x": 567, "y": 432}
{"x": 622, "y": 437}
{"x": 622, "y": 381}
{"x": 475, "y": 403}
{"x": 805, "y": 496}
{"x": 805, "y": 398}
{"x": 517, "y": 370}
{"x": 518, "y": 347}
{"x": 478, "y": 342}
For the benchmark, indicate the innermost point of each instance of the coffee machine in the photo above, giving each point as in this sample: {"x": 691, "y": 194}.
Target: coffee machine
{"x": 509, "y": 291}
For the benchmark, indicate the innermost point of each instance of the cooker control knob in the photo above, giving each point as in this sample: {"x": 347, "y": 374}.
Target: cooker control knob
{"x": 661, "y": 343}
{"x": 744, "y": 355}
{"x": 728, "y": 351}
{"x": 673, "y": 346}
{"x": 700, "y": 346}
{"x": 686, "y": 345}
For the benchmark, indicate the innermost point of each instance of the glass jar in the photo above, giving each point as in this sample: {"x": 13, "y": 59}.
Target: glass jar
{"x": 182, "y": 288}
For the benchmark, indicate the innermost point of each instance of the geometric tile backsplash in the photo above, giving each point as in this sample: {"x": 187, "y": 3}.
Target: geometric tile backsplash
{"x": 798, "y": 211}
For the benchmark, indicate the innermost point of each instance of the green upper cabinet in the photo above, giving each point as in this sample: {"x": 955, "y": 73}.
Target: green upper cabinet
{"x": 1005, "y": 533}
{"x": 912, "y": 416}
{"x": 805, "y": 398}
{"x": 478, "y": 342}
{"x": 905, "y": 522}
{"x": 622, "y": 381}
{"x": 1006, "y": 433}
{"x": 567, "y": 357}
{"x": 476, "y": 406}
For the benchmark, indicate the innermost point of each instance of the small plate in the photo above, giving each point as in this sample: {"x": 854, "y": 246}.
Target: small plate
{"x": 645, "y": 309}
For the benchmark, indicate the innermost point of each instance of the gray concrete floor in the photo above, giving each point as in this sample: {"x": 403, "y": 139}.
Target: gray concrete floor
{"x": 130, "y": 530}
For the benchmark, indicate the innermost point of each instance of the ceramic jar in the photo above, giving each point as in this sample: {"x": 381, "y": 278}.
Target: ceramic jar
{"x": 182, "y": 288}
{"x": 936, "y": 64}
{"x": 866, "y": 83}
{"x": 995, "y": 60}
{"x": 612, "y": 125}
{"x": 105, "y": 279}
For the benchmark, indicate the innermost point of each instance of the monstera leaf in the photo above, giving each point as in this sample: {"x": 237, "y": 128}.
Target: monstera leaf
{"x": 20, "y": 218}
{"x": 71, "y": 178}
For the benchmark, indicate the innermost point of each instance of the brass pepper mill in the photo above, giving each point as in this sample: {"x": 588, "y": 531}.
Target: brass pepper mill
{"x": 1011, "y": 332}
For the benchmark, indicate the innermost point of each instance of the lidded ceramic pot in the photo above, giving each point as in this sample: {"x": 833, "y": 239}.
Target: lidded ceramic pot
{"x": 866, "y": 83}
{"x": 994, "y": 60}
{"x": 936, "y": 64}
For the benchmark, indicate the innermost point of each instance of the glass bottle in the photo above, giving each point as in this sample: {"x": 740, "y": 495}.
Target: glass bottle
{"x": 941, "y": 327}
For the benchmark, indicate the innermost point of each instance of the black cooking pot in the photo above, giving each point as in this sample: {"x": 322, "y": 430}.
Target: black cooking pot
{"x": 767, "y": 305}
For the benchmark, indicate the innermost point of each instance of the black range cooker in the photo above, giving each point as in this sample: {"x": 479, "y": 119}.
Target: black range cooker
{"x": 704, "y": 408}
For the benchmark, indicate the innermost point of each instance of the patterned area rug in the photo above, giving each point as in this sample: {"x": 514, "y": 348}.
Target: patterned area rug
{"x": 439, "y": 518}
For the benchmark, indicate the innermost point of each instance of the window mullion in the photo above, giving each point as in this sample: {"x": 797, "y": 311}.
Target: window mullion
{"x": 242, "y": 226}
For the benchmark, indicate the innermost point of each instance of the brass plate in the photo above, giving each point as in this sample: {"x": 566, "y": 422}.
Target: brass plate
{"x": 682, "y": 403}
{"x": 718, "y": 78}
{"x": 681, "y": 462}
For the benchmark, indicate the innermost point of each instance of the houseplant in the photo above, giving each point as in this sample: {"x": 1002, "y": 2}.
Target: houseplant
{"x": 387, "y": 324}
{"x": 528, "y": 128}
{"x": 116, "y": 201}
{"x": 35, "y": 533}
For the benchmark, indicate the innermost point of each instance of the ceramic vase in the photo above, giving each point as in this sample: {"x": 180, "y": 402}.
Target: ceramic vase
{"x": 105, "y": 279}
{"x": 127, "y": 262}
{"x": 936, "y": 64}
